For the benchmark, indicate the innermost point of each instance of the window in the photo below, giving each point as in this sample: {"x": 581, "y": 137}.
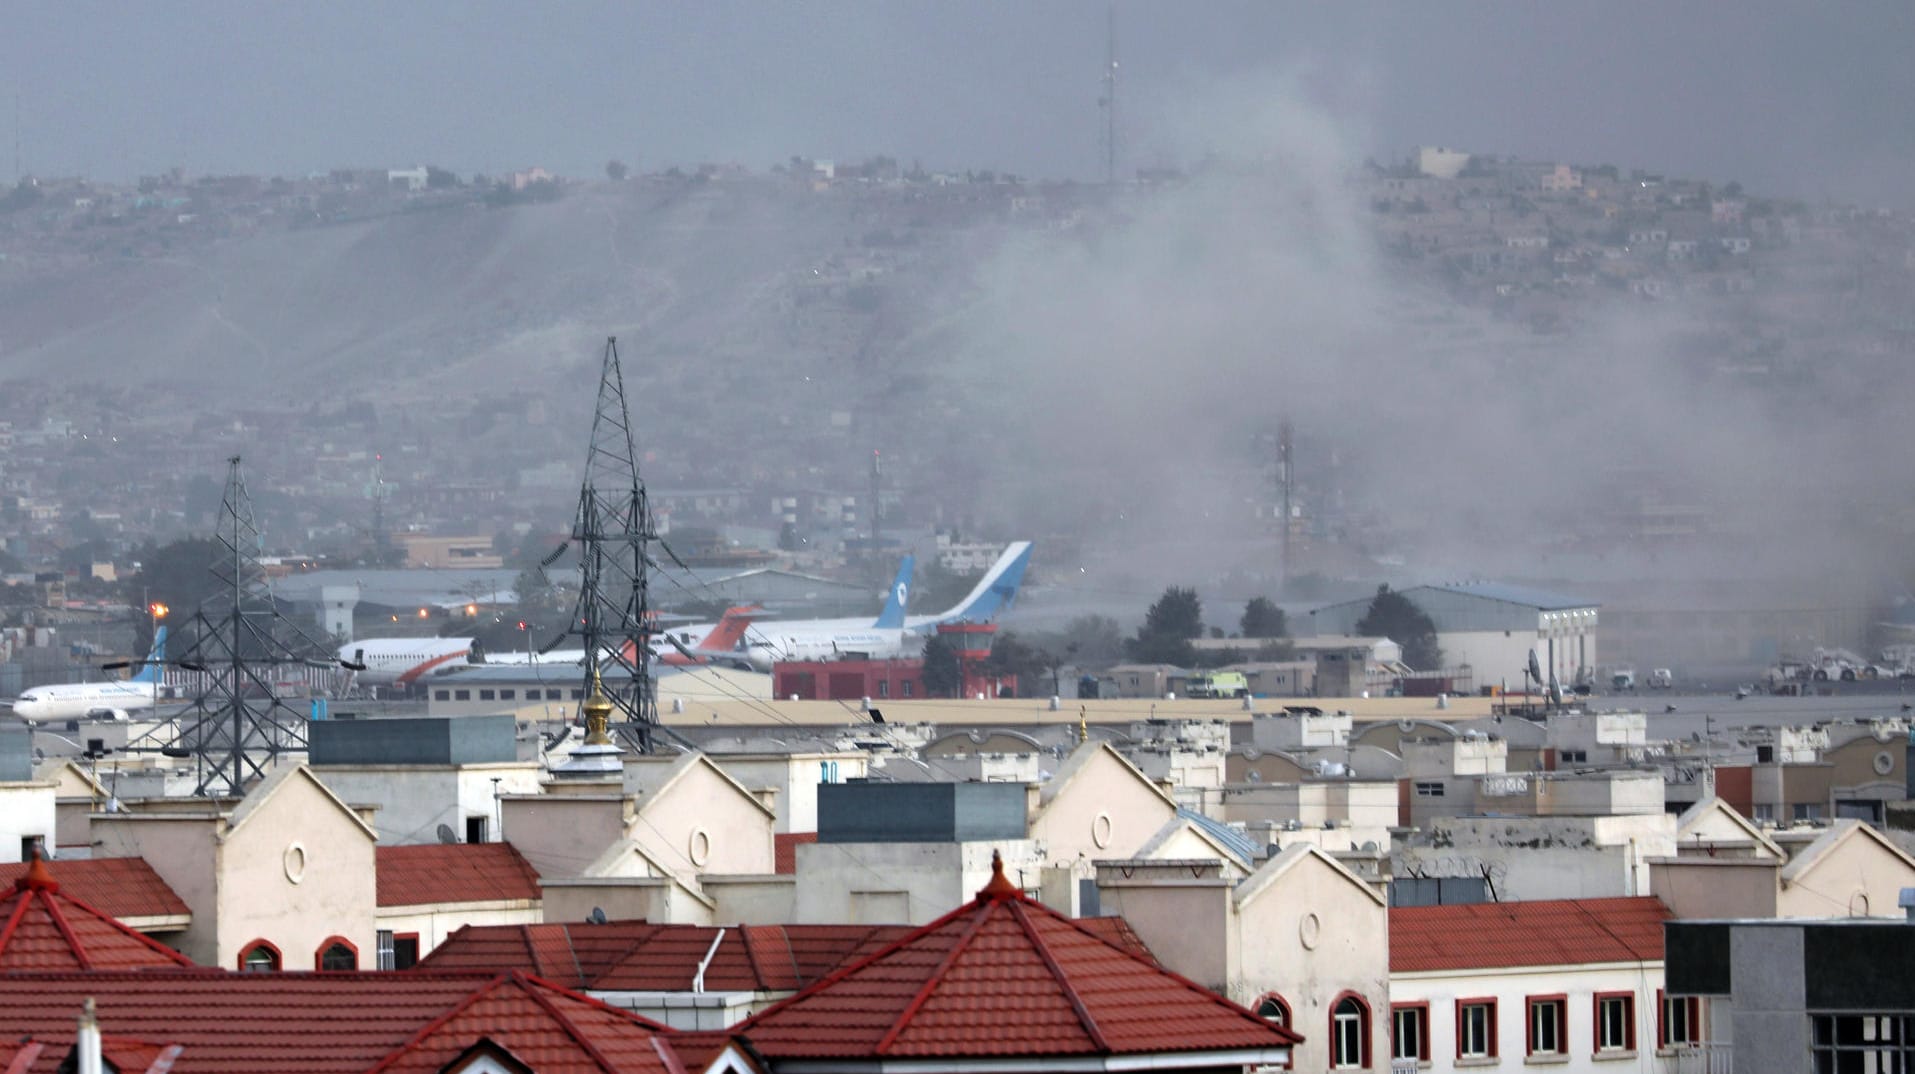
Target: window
{"x": 1349, "y": 1034}
{"x": 385, "y": 949}
{"x": 1575, "y": 756}
{"x": 442, "y": 694}
{"x": 475, "y": 829}
{"x": 337, "y": 954}
{"x": 488, "y": 695}
{"x": 1808, "y": 811}
{"x": 1763, "y": 811}
{"x": 1678, "y": 1022}
{"x": 31, "y": 847}
{"x": 907, "y": 687}
{"x": 461, "y": 695}
{"x": 1547, "y": 1028}
{"x": 552, "y": 694}
{"x": 1429, "y": 790}
{"x": 1410, "y": 1031}
{"x": 405, "y": 950}
{"x": 1615, "y": 1021}
{"x": 578, "y": 694}
{"x": 884, "y": 687}
{"x": 508, "y": 695}
{"x": 1475, "y": 1028}
{"x": 259, "y": 957}
{"x": 1273, "y": 1008}
{"x": 1876, "y": 1043}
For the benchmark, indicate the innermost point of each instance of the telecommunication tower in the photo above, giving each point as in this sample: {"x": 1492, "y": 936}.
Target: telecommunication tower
{"x": 613, "y": 531}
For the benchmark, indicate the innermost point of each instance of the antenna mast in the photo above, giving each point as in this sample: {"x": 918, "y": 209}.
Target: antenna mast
{"x": 612, "y": 530}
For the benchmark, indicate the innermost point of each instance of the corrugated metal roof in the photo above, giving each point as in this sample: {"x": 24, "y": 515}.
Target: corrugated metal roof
{"x": 1233, "y": 840}
{"x": 1541, "y": 599}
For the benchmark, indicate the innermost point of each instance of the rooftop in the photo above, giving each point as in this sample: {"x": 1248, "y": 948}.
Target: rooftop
{"x": 43, "y": 929}
{"x": 438, "y": 873}
{"x": 124, "y": 888}
{"x": 1005, "y": 976}
{"x": 1555, "y": 932}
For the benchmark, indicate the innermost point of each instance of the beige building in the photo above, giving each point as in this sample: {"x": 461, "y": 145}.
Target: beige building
{"x": 1725, "y": 866}
{"x": 283, "y": 878}
{"x": 441, "y": 552}
{"x": 1098, "y": 805}
{"x": 1292, "y": 941}
{"x": 642, "y": 847}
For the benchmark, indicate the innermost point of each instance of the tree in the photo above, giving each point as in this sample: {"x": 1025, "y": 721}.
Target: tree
{"x": 616, "y": 171}
{"x": 943, "y": 674}
{"x": 1395, "y": 616}
{"x": 1011, "y": 655}
{"x": 1093, "y": 640}
{"x": 1263, "y": 619}
{"x": 1169, "y": 626}
{"x": 438, "y": 178}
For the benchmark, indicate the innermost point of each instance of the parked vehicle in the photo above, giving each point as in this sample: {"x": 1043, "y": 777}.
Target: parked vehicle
{"x": 1662, "y": 679}
{"x": 1217, "y": 684}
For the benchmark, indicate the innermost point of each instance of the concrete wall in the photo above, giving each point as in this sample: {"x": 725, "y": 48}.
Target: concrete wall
{"x": 1530, "y": 858}
{"x": 621, "y": 899}
{"x": 182, "y": 850}
{"x": 1716, "y": 887}
{"x": 901, "y": 883}
{"x": 433, "y": 925}
{"x": 562, "y": 834}
{"x": 297, "y": 871}
{"x": 26, "y": 812}
{"x": 1511, "y": 989}
{"x": 430, "y": 740}
{"x": 1187, "y": 923}
{"x": 1105, "y": 811}
{"x": 703, "y": 823}
{"x": 795, "y": 779}
{"x": 752, "y": 900}
{"x": 414, "y": 800}
{"x": 1857, "y": 878}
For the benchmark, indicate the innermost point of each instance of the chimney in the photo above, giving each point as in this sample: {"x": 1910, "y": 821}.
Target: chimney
{"x": 86, "y": 1046}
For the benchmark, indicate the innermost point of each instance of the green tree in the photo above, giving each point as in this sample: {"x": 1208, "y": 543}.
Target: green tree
{"x": 1169, "y": 626}
{"x": 1263, "y": 619}
{"x": 616, "y": 171}
{"x": 943, "y": 676}
{"x": 1012, "y": 655}
{"x": 1395, "y": 616}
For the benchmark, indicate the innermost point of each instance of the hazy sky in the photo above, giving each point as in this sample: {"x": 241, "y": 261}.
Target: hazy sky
{"x": 1804, "y": 99}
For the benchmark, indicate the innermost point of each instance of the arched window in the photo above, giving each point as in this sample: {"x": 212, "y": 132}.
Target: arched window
{"x": 1349, "y": 1033}
{"x": 259, "y": 957}
{"x": 1274, "y": 1008}
{"x": 337, "y": 954}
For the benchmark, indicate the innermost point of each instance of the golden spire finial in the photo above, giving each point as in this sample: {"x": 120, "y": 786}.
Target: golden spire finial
{"x": 598, "y": 713}
{"x": 1083, "y": 726}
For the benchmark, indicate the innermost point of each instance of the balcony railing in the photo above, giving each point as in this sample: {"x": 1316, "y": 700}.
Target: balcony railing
{"x": 1404, "y": 1066}
{"x": 1707, "y": 1058}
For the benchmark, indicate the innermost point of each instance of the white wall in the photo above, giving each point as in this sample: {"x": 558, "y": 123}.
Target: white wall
{"x": 414, "y": 800}
{"x": 901, "y": 883}
{"x": 434, "y": 924}
{"x": 26, "y": 810}
{"x": 1511, "y": 989}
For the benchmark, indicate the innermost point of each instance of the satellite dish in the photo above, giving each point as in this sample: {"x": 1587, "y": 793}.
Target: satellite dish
{"x": 596, "y": 917}
{"x": 447, "y": 835}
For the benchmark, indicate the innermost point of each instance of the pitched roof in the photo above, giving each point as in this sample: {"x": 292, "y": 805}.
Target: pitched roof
{"x": 123, "y": 888}
{"x": 42, "y": 929}
{"x": 438, "y": 873}
{"x": 642, "y": 956}
{"x": 1555, "y": 932}
{"x": 1804, "y": 859}
{"x": 785, "y": 850}
{"x": 1006, "y": 976}
{"x": 1528, "y": 596}
{"x": 332, "y": 1023}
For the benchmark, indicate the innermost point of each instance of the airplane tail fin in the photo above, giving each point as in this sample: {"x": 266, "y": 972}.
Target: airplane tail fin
{"x": 152, "y": 669}
{"x": 731, "y": 627}
{"x": 996, "y": 590}
{"x": 892, "y": 617}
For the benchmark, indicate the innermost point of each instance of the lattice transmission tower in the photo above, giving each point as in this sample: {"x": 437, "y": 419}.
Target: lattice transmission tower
{"x": 613, "y": 531}
{"x": 241, "y": 650}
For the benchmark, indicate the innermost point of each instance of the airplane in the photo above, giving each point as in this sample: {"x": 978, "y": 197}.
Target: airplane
{"x": 400, "y": 662}
{"x": 113, "y": 699}
{"x": 894, "y": 633}
{"x": 673, "y": 648}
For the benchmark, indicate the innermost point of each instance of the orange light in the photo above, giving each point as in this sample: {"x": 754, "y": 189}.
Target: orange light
{"x": 422, "y": 613}
{"x": 472, "y": 609}
{"x": 159, "y": 610}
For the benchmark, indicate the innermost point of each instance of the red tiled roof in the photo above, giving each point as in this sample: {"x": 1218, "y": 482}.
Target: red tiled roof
{"x": 641, "y": 956}
{"x": 332, "y": 1023}
{"x": 1004, "y": 976}
{"x": 438, "y": 873}
{"x": 43, "y": 929}
{"x": 1556, "y": 932}
{"x": 784, "y": 849}
{"x": 118, "y": 887}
